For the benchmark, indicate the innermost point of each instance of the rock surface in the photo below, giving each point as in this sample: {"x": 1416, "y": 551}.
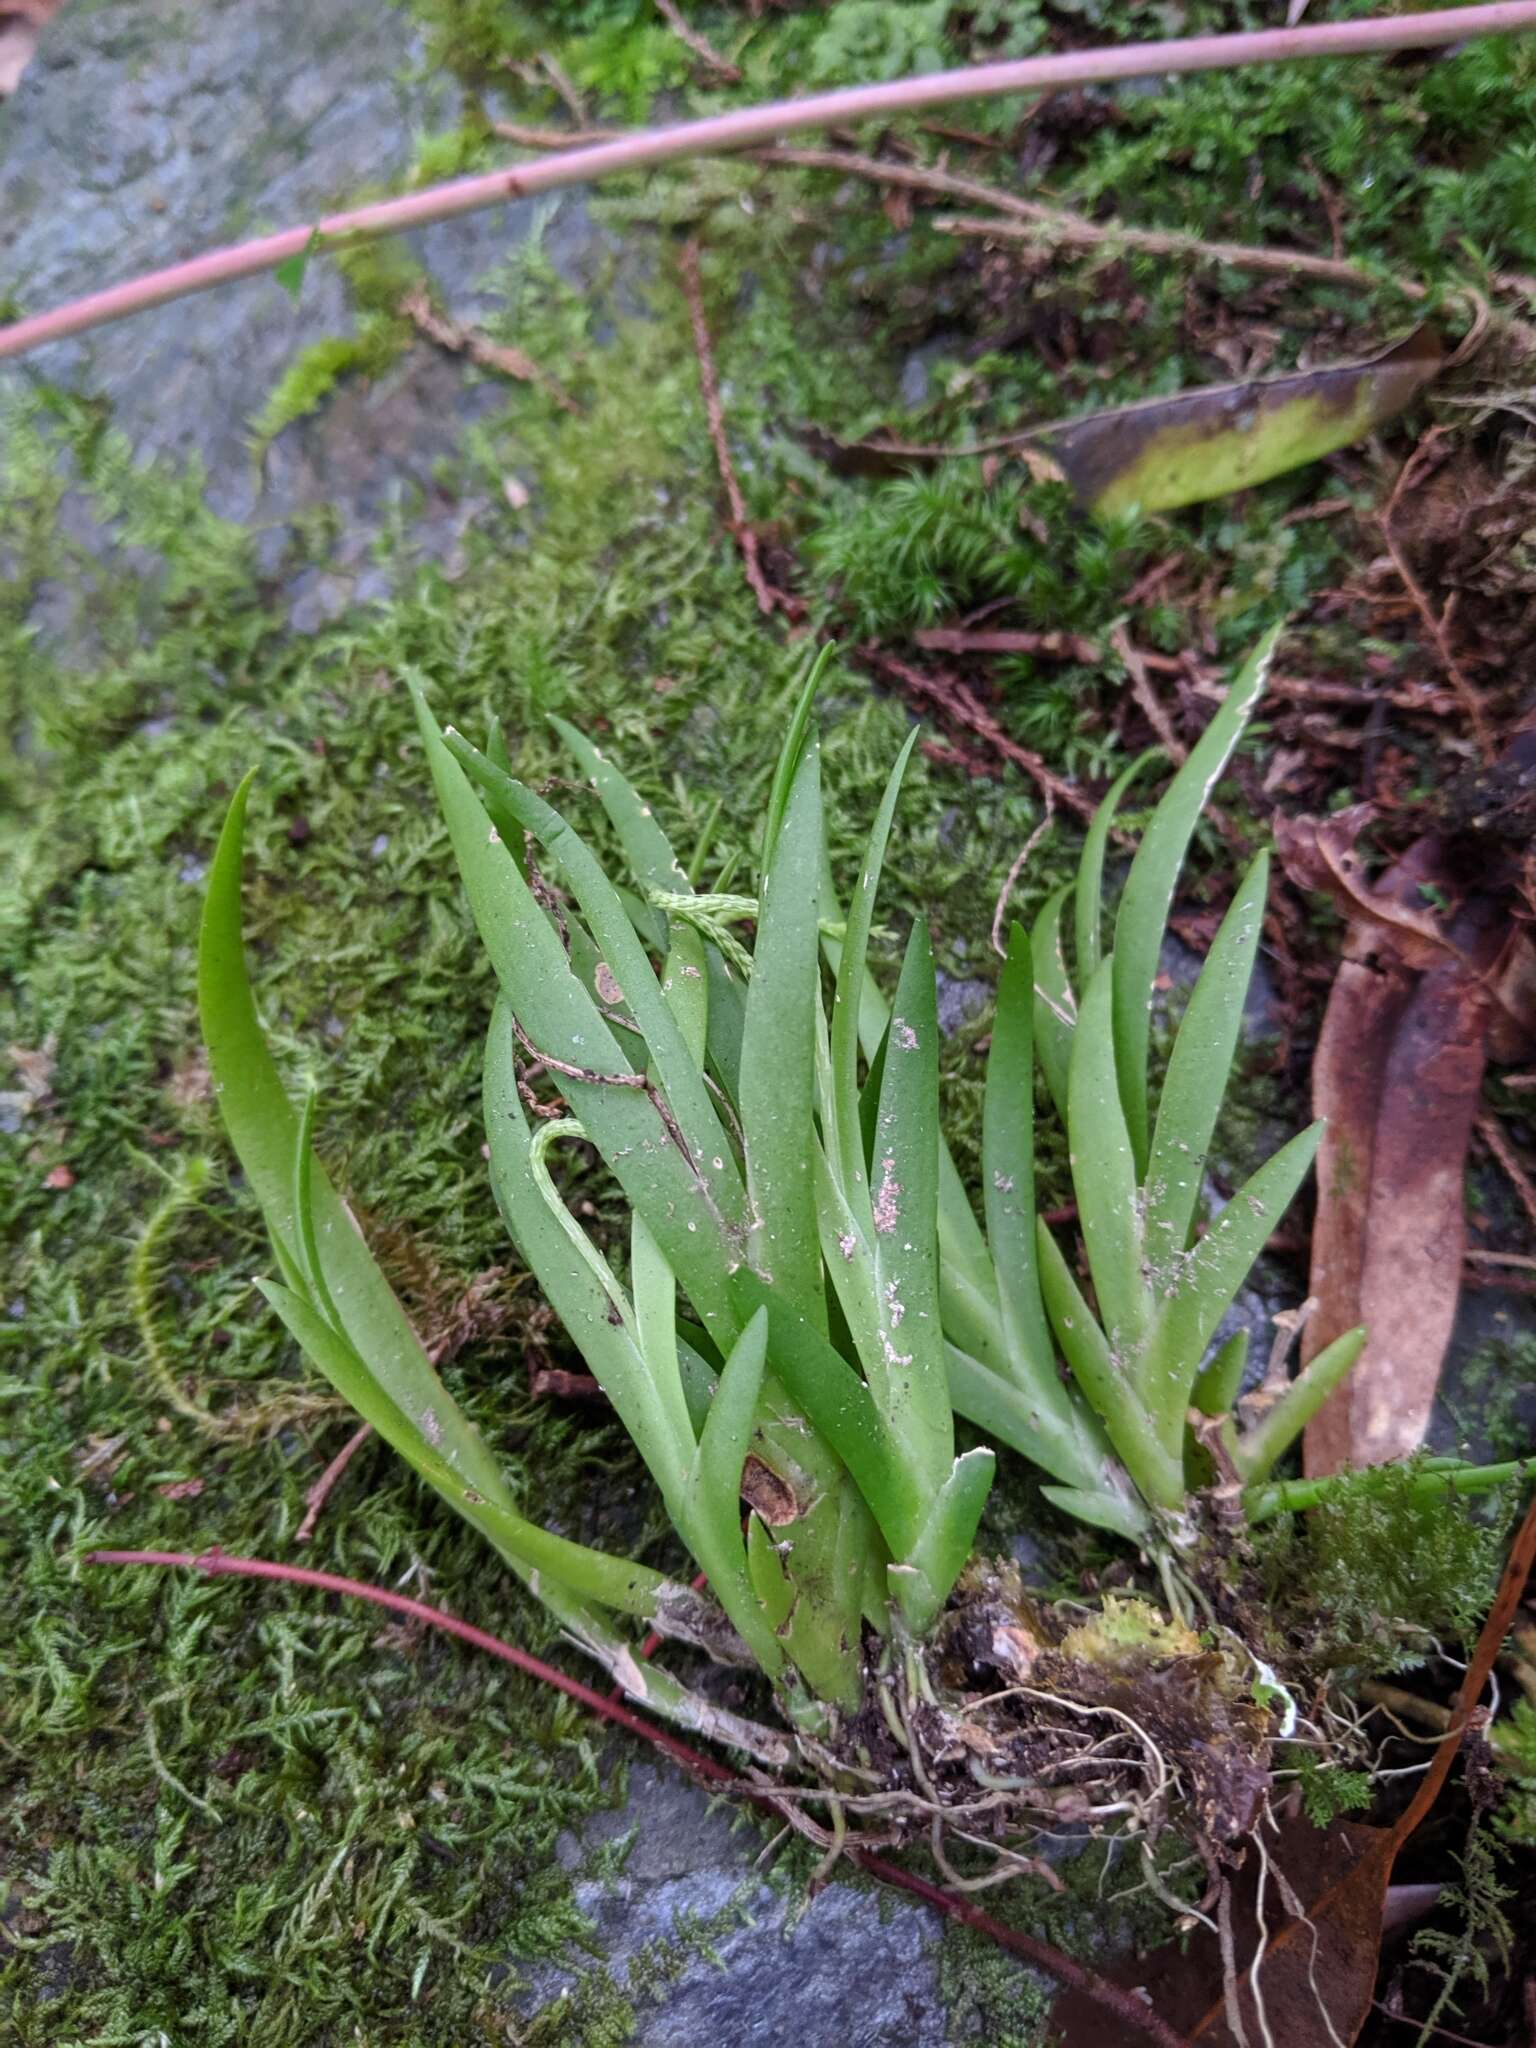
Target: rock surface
{"x": 146, "y": 131}
{"x": 706, "y": 1950}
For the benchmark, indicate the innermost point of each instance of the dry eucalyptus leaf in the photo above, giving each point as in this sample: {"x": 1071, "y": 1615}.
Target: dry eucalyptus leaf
{"x": 1435, "y": 976}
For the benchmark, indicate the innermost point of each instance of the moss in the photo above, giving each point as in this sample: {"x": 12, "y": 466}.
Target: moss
{"x": 316, "y": 371}
{"x": 1369, "y": 1581}
{"x": 1494, "y": 1397}
{"x": 986, "y": 1996}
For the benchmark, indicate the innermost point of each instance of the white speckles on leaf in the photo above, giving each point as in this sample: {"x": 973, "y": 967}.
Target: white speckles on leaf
{"x": 431, "y": 1428}
{"x": 848, "y": 1244}
{"x": 903, "y": 1034}
{"x": 887, "y": 1205}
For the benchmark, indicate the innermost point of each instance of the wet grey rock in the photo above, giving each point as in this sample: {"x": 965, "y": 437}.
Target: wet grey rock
{"x": 707, "y": 1950}
{"x": 961, "y": 1001}
{"x": 1262, "y": 1013}
{"x": 148, "y": 130}
{"x": 1485, "y": 1411}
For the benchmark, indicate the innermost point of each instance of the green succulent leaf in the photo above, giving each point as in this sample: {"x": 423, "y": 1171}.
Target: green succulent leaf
{"x": 1055, "y": 1004}
{"x": 1209, "y": 1277}
{"x": 1105, "y": 1381}
{"x": 1259, "y": 1450}
{"x": 1199, "y": 1069}
{"x": 1088, "y": 898}
{"x": 667, "y": 1183}
{"x": 676, "y": 1066}
{"x": 715, "y": 1477}
{"x": 543, "y": 1560}
{"x": 345, "y": 1315}
{"x": 907, "y": 1371}
{"x": 777, "y": 1089}
{"x": 1220, "y": 1381}
{"x": 846, "y": 1149}
{"x": 921, "y": 1581}
{"x": 1008, "y": 1165}
{"x": 1109, "y": 1204}
{"x": 1142, "y": 917}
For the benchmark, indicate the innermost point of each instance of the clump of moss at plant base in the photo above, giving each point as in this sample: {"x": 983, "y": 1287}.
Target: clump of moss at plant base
{"x": 1373, "y": 1579}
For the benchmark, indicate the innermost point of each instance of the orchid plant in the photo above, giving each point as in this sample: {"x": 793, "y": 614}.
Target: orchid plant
{"x": 807, "y": 1296}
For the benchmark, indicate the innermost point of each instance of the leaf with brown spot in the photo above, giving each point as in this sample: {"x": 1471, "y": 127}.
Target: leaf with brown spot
{"x": 1434, "y": 973}
{"x": 1167, "y": 452}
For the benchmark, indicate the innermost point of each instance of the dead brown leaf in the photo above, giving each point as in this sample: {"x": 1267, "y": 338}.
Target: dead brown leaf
{"x": 1436, "y": 976}
{"x": 181, "y": 1489}
{"x": 34, "y": 1066}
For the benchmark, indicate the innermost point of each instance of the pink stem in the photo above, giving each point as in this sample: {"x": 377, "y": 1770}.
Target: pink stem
{"x": 1133, "y": 2011}
{"x": 748, "y": 125}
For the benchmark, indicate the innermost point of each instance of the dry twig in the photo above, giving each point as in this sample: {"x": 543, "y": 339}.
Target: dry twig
{"x": 1051, "y": 224}
{"x": 1021, "y": 860}
{"x": 1147, "y": 697}
{"x": 958, "y": 703}
{"x": 448, "y": 334}
{"x": 1434, "y": 622}
{"x": 769, "y": 599}
{"x": 1491, "y": 1131}
{"x": 700, "y": 45}
{"x": 320, "y": 1492}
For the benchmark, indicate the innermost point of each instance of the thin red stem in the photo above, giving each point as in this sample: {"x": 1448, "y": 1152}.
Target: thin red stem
{"x": 705, "y": 1769}
{"x": 745, "y": 126}
{"x": 217, "y": 1564}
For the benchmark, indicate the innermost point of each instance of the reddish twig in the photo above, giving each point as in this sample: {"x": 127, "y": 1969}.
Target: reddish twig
{"x": 704, "y": 1769}
{"x": 218, "y": 1564}
{"x": 700, "y": 45}
{"x": 960, "y": 704}
{"x": 1491, "y": 1131}
{"x": 1142, "y": 690}
{"x": 458, "y": 340}
{"x": 709, "y": 383}
{"x": 1490, "y": 1641}
{"x": 320, "y": 1492}
{"x": 962, "y": 640}
{"x": 1435, "y": 623}
{"x": 745, "y": 127}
